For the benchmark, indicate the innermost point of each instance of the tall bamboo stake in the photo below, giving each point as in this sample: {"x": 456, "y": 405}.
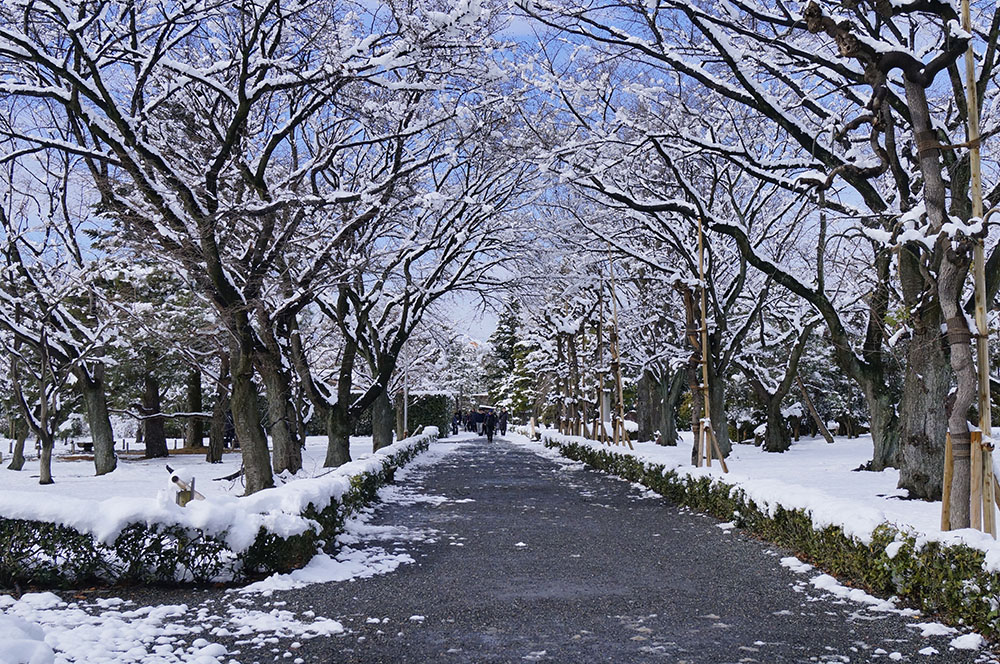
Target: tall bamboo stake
{"x": 707, "y": 412}
{"x": 976, "y": 480}
{"x": 982, "y": 509}
{"x": 600, "y": 434}
{"x": 616, "y": 359}
{"x": 949, "y": 470}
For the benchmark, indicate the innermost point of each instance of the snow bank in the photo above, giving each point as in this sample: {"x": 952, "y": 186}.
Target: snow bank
{"x": 235, "y": 524}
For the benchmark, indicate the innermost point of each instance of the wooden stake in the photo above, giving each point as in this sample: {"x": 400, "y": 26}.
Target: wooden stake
{"x": 949, "y": 469}
{"x": 707, "y": 413}
{"x": 979, "y": 273}
{"x": 820, "y": 425}
{"x": 989, "y": 492}
{"x": 616, "y": 363}
{"x": 718, "y": 452}
{"x": 976, "y": 481}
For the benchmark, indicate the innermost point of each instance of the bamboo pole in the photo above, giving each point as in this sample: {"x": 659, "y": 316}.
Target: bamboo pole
{"x": 989, "y": 492}
{"x": 718, "y": 451}
{"x": 976, "y": 481}
{"x": 616, "y": 357}
{"x": 979, "y": 271}
{"x": 949, "y": 469}
{"x": 707, "y": 413}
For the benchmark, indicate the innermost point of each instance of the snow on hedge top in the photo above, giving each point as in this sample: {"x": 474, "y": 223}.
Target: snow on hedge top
{"x": 236, "y": 519}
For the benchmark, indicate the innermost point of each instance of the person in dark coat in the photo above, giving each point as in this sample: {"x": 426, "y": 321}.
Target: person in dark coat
{"x": 502, "y": 422}
{"x": 489, "y": 425}
{"x": 456, "y": 420}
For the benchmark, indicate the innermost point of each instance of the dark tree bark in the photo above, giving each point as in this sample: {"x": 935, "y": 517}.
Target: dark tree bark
{"x": 154, "y": 435}
{"x": 45, "y": 458}
{"x": 382, "y": 421}
{"x": 217, "y": 431}
{"x": 338, "y": 431}
{"x": 194, "y": 432}
{"x": 287, "y": 452}
{"x": 670, "y": 397}
{"x": 17, "y": 457}
{"x": 338, "y": 420}
{"x": 927, "y": 382}
{"x": 246, "y": 420}
{"x": 647, "y": 405}
{"x": 98, "y": 419}
{"x": 955, "y": 257}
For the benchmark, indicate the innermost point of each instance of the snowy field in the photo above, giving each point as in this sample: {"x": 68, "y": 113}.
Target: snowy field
{"x": 44, "y": 628}
{"x": 136, "y": 477}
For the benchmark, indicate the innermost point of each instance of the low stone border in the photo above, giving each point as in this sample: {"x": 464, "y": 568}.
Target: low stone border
{"x": 48, "y": 554}
{"x": 949, "y": 580}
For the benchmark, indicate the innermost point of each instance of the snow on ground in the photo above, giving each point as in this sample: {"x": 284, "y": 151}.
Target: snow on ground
{"x": 141, "y": 490}
{"x": 43, "y": 628}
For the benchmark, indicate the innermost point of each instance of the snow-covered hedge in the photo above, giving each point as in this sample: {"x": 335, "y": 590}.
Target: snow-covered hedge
{"x": 154, "y": 540}
{"x": 953, "y": 580}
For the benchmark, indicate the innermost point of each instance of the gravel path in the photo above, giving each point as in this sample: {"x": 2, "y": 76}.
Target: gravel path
{"x": 528, "y": 559}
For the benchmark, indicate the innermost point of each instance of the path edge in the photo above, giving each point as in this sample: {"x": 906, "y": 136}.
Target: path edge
{"x": 946, "y": 580}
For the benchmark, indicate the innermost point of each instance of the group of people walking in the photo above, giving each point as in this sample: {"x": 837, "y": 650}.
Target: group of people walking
{"x": 484, "y": 421}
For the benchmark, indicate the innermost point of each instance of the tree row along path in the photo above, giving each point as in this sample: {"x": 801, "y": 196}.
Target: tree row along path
{"x": 521, "y": 558}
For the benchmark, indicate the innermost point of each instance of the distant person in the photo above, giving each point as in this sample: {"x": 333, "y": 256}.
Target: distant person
{"x": 489, "y": 425}
{"x": 455, "y": 421}
{"x": 502, "y": 422}
{"x": 480, "y": 417}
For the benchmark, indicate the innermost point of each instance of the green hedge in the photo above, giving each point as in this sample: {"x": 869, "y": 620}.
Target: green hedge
{"x": 945, "y": 580}
{"x": 430, "y": 410}
{"x": 45, "y": 554}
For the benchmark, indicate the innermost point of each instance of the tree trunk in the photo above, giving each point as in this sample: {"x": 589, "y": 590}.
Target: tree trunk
{"x": 922, "y": 410}
{"x": 338, "y": 417}
{"x": 648, "y": 404}
{"x": 156, "y": 439}
{"x": 670, "y": 396}
{"x": 217, "y": 431}
{"x": 338, "y": 431}
{"x": 954, "y": 253}
{"x": 720, "y": 421}
{"x": 246, "y": 420}
{"x": 400, "y": 413}
{"x": 287, "y": 452}
{"x": 96, "y": 402}
{"x": 17, "y": 458}
{"x": 45, "y": 458}
{"x": 382, "y": 420}
{"x": 776, "y": 438}
{"x": 195, "y": 430}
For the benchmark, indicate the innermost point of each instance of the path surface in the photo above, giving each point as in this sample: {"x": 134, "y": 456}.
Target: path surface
{"x": 533, "y": 559}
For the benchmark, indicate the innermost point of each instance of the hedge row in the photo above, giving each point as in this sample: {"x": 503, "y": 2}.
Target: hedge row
{"x": 946, "y": 580}
{"x": 45, "y": 554}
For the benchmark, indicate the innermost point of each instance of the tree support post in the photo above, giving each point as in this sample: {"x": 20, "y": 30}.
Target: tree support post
{"x": 707, "y": 433}
{"x": 982, "y": 513}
